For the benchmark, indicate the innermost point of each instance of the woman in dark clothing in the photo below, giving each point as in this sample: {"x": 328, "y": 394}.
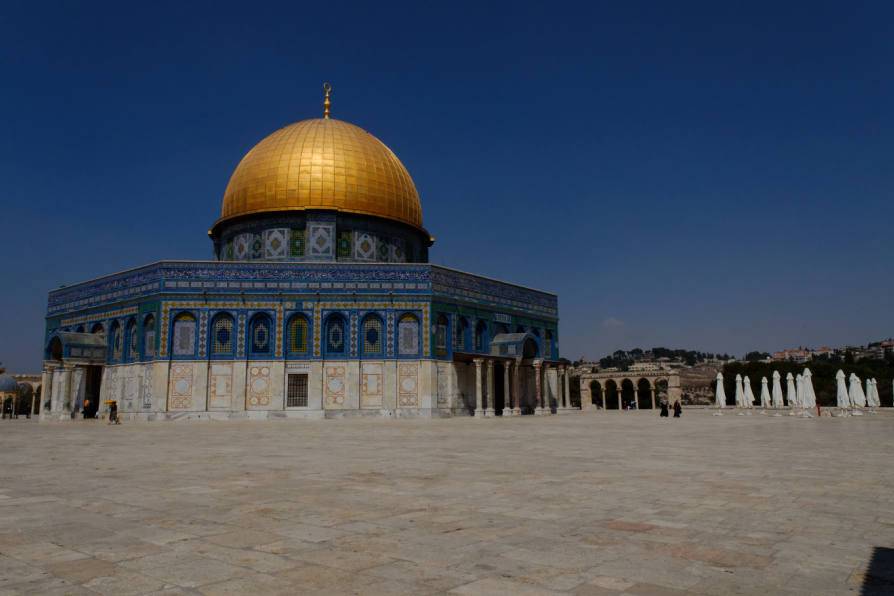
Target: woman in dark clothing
{"x": 678, "y": 409}
{"x": 663, "y": 405}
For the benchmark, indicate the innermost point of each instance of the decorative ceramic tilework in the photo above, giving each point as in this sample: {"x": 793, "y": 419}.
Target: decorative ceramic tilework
{"x": 180, "y": 391}
{"x": 240, "y": 336}
{"x": 320, "y": 242}
{"x": 242, "y": 246}
{"x": 389, "y": 333}
{"x": 345, "y": 243}
{"x": 259, "y": 386}
{"x": 364, "y": 246}
{"x": 384, "y": 252}
{"x": 335, "y": 334}
{"x": 354, "y": 332}
{"x": 296, "y": 243}
{"x": 257, "y": 247}
{"x": 117, "y": 341}
{"x": 133, "y": 343}
{"x": 276, "y": 243}
{"x": 397, "y": 252}
{"x": 371, "y": 384}
{"x": 372, "y": 335}
{"x": 228, "y": 251}
{"x": 279, "y": 320}
{"x": 222, "y": 334}
{"x": 408, "y": 336}
{"x": 407, "y": 385}
{"x": 149, "y": 337}
{"x": 184, "y": 335}
{"x": 100, "y": 316}
{"x": 260, "y": 335}
{"x": 334, "y": 386}
{"x": 297, "y": 336}
{"x": 203, "y": 340}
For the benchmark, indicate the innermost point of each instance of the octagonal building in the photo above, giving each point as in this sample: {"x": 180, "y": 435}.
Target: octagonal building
{"x": 320, "y": 301}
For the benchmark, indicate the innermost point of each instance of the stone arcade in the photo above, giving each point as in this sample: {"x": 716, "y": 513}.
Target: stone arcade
{"x": 320, "y": 302}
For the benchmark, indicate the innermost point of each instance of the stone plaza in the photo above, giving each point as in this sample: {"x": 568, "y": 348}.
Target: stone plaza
{"x": 580, "y": 503}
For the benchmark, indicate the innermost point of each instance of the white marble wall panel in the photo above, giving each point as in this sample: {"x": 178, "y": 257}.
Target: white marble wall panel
{"x": 220, "y": 386}
{"x": 372, "y": 384}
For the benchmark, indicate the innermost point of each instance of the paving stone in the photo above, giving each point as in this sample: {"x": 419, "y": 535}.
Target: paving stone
{"x": 604, "y": 503}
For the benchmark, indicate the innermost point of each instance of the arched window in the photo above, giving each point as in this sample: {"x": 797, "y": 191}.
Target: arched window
{"x": 481, "y": 336}
{"x": 408, "y": 336}
{"x": 548, "y": 344}
{"x": 519, "y": 328}
{"x": 183, "y": 336}
{"x": 335, "y": 335}
{"x": 116, "y": 341}
{"x": 80, "y": 329}
{"x": 441, "y": 327}
{"x": 222, "y": 335}
{"x": 296, "y": 336}
{"x": 55, "y": 349}
{"x": 133, "y": 348}
{"x": 98, "y": 328}
{"x": 372, "y": 336}
{"x": 149, "y": 337}
{"x": 260, "y": 340}
{"x": 465, "y": 334}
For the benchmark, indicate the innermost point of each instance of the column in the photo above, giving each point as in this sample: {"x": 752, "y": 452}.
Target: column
{"x": 538, "y": 388}
{"x": 620, "y": 395}
{"x": 46, "y": 390}
{"x": 507, "y": 394}
{"x": 516, "y": 388}
{"x": 65, "y": 392}
{"x": 491, "y": 397}
{"x": 547, "y": 402}
{"x": 652, "y": 390}
{"x": 479, "y": 411}
{"x": 566, "y": 377}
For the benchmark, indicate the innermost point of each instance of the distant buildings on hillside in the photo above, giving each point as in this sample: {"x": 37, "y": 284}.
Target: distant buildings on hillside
{"x": 875, "y": 351}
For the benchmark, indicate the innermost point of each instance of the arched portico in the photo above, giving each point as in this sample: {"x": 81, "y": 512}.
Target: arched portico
{"x": 641, "y": 389}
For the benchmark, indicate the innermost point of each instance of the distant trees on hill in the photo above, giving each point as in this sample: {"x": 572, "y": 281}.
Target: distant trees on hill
{"x": 622, "y": 359}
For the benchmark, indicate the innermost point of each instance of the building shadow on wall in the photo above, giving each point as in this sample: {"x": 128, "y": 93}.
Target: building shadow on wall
{"x": 879, "y": 577}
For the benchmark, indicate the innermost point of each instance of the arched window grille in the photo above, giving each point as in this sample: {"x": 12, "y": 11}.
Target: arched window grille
{"x": 441, "y": 327}
{"x": 149, "y": 337}
{"x": 260, "y": 338}
{"x": 133, "y": 347}
{"x": 117, "y": 341}
{"x": 222, "y": 335}
{"x": 408, "y": 336}
{"x": 297, "y": 333}
{"x": 98, "y": 328}
{"x": 372, "y": 336}
{"x": 335, "y": 334}
{"x": 481, "y": 336}
{"x": 183, "y": 335}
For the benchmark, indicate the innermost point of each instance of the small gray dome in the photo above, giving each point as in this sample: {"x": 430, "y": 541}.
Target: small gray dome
{"x": 8, "y": 384}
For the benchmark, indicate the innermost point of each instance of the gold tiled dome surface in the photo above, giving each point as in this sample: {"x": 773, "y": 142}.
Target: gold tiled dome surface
{"x": 322, "y": 164}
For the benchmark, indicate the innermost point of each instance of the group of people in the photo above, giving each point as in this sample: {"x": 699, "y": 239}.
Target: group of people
{"x": 664, "y": 406}
{"x": 89, "y": 411}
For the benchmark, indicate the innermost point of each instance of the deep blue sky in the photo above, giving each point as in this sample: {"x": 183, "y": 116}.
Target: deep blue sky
{"x": 702, "y": 175}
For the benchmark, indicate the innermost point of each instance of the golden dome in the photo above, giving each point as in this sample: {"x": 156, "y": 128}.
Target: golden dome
{"x": 322, "y": 164}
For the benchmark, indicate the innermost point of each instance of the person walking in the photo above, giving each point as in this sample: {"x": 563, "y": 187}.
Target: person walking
{"x": 678, "y": 409}
{"x": 113, "y": 413}
{"x": 664, "y": 409}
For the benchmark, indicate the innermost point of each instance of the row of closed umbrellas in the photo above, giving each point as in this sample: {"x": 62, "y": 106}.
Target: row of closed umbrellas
{"x": 799, "y": 392}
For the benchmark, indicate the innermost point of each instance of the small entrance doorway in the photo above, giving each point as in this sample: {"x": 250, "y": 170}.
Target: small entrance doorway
{"x": 92, "y": 382}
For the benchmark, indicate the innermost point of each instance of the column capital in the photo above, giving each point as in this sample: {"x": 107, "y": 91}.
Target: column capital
{"x": 490, "y": 363}
{"x": 478, "y": 362}
{"x": 537, "y": 364}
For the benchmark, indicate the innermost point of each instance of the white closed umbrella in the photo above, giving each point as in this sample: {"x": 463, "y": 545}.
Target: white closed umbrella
{"x": 791, "y": 394}
{"x": 740, "y": 394}
{"x": 809, "y": 395}
{"x": 855, "y": 392}
{"x": 749, "y": 394}
{"x": 799, "y": 390}
{"x": 844, "y": 401}
{"x": 720, "y": 397}
{"x": 765, "y": 393}
{"x": 777, "y": 390}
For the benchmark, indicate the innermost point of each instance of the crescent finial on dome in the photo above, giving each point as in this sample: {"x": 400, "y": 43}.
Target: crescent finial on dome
{"x": 327, "y": 90}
